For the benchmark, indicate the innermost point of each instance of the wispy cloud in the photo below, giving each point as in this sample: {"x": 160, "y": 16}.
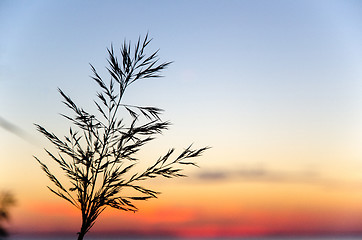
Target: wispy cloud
{"x": 7, "y": 125}
{"x": 260, "y": 174}
{"x": 256, "y": 174}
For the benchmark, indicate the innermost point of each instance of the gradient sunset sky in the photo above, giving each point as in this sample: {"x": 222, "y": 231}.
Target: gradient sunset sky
{"x": 274, "y": 87}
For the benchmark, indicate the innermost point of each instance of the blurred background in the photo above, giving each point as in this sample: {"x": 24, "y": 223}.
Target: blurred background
{"x": 274, "y": 87}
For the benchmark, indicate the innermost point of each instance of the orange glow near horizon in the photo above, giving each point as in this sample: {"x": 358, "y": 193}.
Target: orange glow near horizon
{"x": 291, "y": 209}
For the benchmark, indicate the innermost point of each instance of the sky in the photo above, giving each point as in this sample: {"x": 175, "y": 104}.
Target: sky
{"x": 274, "y": 87}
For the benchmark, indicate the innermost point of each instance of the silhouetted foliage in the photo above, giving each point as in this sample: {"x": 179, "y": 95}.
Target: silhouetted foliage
{"x": 6, "y": 201}
{"x": 99, "y": 152}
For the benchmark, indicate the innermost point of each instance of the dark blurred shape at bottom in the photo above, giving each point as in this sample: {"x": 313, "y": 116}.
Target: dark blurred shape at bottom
{"x": 6, "y": 201}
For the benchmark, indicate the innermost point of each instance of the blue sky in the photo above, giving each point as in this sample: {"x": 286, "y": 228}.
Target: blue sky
{"x": 243, "y": 70}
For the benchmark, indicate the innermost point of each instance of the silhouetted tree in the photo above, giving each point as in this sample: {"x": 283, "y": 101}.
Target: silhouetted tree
{"x": 100, "y": 149}
{"x": 6, "y": 201}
